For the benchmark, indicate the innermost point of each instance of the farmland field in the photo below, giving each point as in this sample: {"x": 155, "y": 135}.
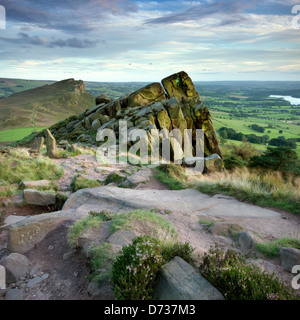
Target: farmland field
{"x": 17, "y": 134}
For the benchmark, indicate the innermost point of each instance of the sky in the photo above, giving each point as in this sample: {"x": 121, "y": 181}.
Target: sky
{"x": 129, "y": 40}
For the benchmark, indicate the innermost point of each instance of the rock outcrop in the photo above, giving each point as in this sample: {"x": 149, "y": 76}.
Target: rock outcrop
{"x": 179, "y": 281}
{"x": 173, "y": 105}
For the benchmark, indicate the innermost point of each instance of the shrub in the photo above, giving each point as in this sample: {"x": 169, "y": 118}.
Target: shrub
{"x": 237, "y": 280}
{"x": 171, "y": 250}
{"x": 135, "y": 270}
{"x": 234, "y": 161}
{"x": 283, "y": 159}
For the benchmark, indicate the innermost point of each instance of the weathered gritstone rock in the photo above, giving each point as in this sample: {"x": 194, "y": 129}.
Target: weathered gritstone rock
{"x": 115, "y": 200}
{"x": 35, "y": 184}
{"x": 178, "y": 107}
{"x": 289, "y": 257}
{"x": 37, "y": 144}
{"x": 180, "y": 281}
{"x": 39, "y": 198}
{"x": 25, "y": 234}
{"x": 16, "y": 266}
{"x": 50, "y": 144}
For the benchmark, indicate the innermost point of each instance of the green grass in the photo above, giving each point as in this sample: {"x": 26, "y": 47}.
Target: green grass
{"x": 12, "y": 135}
{"x": 18, "y": 166}
{"x": 114, "y": 177}
{"x": 252, "y": 188}
{"x": 80, "y": 226}
{"x": 271, "y": 249}
{"x": 154, "y": 223}
{"x": 266, "y": 189}
{"x": 206, "y": 222}
{"x": 102, "y": 257}
{"x": 83, "y": 183}
{"x": 172, "y": 175}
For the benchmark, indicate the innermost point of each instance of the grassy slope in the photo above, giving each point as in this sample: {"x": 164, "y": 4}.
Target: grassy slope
{"x": 44, "y": 106}
{"x": 11, "y": 86}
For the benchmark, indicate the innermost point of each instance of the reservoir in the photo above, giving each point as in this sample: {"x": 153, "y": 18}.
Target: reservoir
{"x": 293, "y": 101}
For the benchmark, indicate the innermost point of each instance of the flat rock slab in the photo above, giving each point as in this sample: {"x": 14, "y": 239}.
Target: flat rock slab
{"x": 141, "y": 176}
{"x": 35, "y": 184}
{"x": 37, "y": 280}
{"x": 11, "y": 220}
{"x": 25, "y": 234}
{"x": 180, "y": 281}
{"x": 38, "y": 198}
{"x": 184, "y": 201}
{"x": 14, "y": 294}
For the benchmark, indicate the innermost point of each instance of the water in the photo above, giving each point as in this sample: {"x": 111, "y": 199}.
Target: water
{"x": 293, "y": 101}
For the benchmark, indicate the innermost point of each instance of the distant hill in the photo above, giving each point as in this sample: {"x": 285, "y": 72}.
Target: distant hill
{"x": 11, "y": 86}
{"x": 44, "y": 106}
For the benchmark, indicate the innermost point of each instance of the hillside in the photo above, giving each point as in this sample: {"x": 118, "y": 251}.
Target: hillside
{"x": 43, "y": 106}
{"x": 11, "y": 86}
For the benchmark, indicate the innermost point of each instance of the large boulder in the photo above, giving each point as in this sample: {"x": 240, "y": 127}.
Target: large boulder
{"x": 16, "y": 266}
{"x": 246, "y": 242}
{"x": 180, "y": 281}
{"x": 181, "y": 86}
{"x": 35, "y": 184}
{"x": 25, "y": 234}
{"x": 151, "y": 93}
{"x": 39, "y": 198}
{"x": 289, "y": 257}
{"x": 214, "y": 163}
{"x": 103, "y": 98}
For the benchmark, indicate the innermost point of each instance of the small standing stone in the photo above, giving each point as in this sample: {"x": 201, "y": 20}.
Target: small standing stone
{"x": 51, "y": 145}
{"x": 37, "y": 144}
{"x": 246, "y": 242}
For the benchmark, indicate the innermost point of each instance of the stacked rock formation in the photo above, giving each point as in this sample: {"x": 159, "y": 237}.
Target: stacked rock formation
{"x": 173, "y": 105}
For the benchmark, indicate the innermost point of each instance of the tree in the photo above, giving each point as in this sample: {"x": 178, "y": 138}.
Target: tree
{"x": 283, "y": 159}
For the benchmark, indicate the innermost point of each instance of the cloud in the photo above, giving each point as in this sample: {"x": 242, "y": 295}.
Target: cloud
{"x": 73, "y": 43}
{"x": 67, "y": 15}
{"x": 227, "y": 12}
{"x": 25, "y": 39}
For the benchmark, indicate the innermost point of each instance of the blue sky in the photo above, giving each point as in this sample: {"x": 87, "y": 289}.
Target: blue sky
{"x": 127, "y": 40}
